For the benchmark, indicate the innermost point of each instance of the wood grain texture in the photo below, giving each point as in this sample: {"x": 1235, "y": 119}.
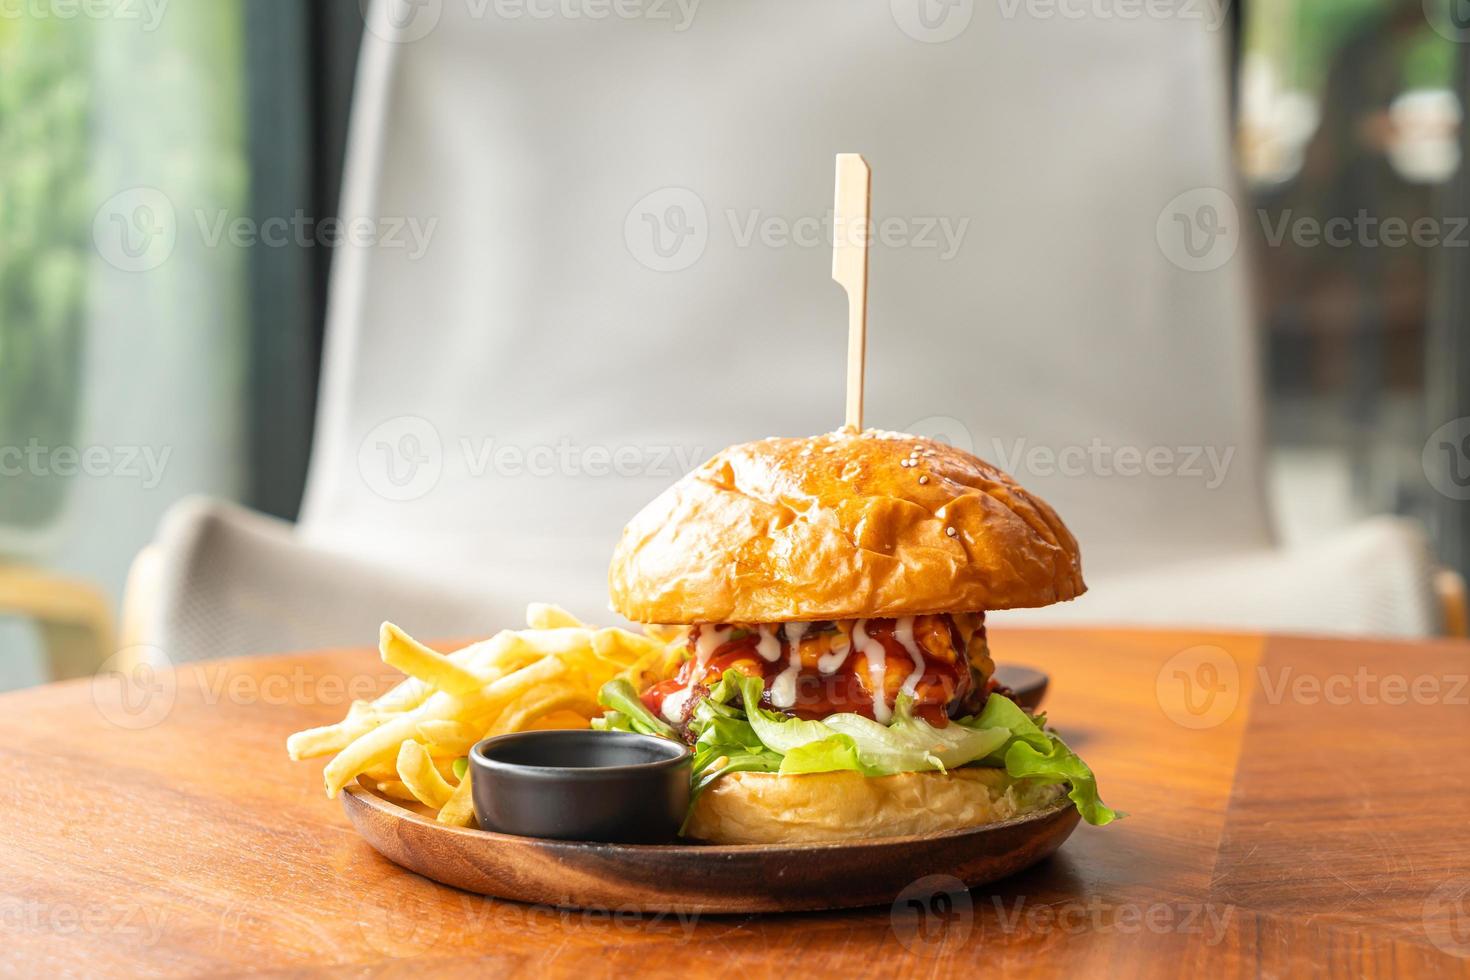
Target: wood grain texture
{"x": 683, "y": 879}
{"x": 1273, "y": 832}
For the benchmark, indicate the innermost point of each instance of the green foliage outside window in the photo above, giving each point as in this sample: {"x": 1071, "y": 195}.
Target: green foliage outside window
{"x": 45, "y": 246}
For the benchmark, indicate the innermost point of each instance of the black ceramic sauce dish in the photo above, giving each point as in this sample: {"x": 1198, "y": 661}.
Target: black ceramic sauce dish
{"x": 610, "y": 787}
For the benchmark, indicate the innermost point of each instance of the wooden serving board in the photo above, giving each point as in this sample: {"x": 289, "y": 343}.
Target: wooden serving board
{"x": 696, "y": 878}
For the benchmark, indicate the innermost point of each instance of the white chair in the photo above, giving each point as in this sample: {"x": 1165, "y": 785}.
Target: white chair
{"x": 620, "y": 277}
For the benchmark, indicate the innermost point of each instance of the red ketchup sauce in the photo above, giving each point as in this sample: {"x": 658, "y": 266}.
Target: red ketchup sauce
{"x": 823, "y": 687}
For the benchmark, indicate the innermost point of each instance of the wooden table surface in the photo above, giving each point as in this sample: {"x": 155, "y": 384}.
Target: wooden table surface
{"x": 1297, "y": 806}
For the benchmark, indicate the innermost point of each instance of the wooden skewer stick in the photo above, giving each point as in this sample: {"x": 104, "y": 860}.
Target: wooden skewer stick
{"x": 850, "y": 270}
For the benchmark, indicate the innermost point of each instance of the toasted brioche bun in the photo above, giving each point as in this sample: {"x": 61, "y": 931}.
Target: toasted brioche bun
{"x": 766, "y": 808}
{"x": 840, "y": 526}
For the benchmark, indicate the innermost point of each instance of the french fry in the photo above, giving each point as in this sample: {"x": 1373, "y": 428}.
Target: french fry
{"x": 396, "y": 789}
{"x": 424, "y": 781}
{"x": 362, "y": 717}
{"x": 459, "y": 810}
{"x": 408, "y": 739}
{"x": 416, "y": 660}
{"x": 522, "y": 712}
{"x": 381, "y": 744}
{"x": 448, "y": 737}
{"x": 544, "y": 616}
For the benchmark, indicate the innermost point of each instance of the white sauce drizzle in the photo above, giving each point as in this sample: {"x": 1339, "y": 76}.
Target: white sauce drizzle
{"x": 783, "y": 688}
{"x": 836, "y": 655}
{"x": 768, "y": 646}
{"x": 709, "y": 641}
{"x": 903, "y": 631}
{"x": 877, "y": 669}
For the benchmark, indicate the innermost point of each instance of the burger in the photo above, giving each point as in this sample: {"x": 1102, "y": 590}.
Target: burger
{"x": 830, "y": 595}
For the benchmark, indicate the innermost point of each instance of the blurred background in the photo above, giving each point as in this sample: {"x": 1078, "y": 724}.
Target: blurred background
{"x": 150, "y": 356}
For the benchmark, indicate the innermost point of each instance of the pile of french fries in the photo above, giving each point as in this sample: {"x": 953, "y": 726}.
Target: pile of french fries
{"x": 412, "y": 742}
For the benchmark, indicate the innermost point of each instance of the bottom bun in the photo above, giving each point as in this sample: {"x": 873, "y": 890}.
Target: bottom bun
{"x": 766, "y": 808}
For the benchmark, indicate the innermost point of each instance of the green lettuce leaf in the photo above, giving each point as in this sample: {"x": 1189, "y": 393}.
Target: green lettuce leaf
{"x": 831, "y": 754}
{"x": 745, "y": 737}
{"x": 629, "y": 713}
{"x": 1034, "y": 753}
{"x": 910, "y": 744}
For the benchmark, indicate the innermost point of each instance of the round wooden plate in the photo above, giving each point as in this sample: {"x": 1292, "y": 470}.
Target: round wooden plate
{"x": 700, "y": 878}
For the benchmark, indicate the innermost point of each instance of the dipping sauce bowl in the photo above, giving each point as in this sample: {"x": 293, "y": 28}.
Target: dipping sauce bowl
{"x": 609, "y": 787}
